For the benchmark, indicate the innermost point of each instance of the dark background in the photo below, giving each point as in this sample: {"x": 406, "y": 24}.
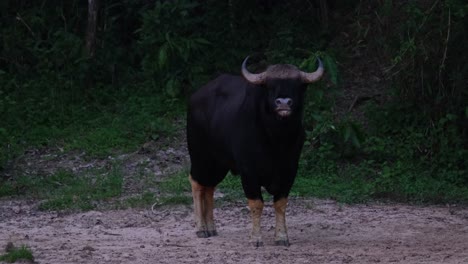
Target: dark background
{"x": 389, "y": 119}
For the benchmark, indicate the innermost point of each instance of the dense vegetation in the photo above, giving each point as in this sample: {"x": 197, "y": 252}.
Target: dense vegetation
{"x": 112, "y": 85}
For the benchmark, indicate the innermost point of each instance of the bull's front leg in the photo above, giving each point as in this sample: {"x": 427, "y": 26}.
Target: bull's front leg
{"x": 281, "y": 232}
{"x": 256, "y": 209}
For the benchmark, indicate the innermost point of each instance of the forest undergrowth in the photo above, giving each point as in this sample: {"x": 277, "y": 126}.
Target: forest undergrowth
{"x": 388, "y": 122}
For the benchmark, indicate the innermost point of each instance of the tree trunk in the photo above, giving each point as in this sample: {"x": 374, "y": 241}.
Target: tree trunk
{"x": 324, "y": 14}
{"x": 91, "y": 28}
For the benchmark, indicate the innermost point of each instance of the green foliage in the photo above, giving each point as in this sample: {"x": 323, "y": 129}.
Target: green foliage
{"x": 414, "y": 147}
{"x": 437, "y": 144}
{"x": 14, "y": 254}
{"x": 395, "y": 161}
{"x": 65, "y": 190}
{"x": 344, "y": 137}
{"x": 339, "y": 188}
{"x": 83, "y": 193}
{"x": 101, "y": 128}
{"x": 231, "y": 188}
{"x": 177, "y": 183}
{"x": 175, "y": 189}
{"x": 403, "y": 180}
{"x": 429, "y": 59}
{"x": 173, "y": 50}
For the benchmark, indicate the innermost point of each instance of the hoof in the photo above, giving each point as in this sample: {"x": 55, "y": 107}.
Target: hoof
{"x": 282, "y": 243}
{"x": 205, "y": 234}
{"x": 212, "y": 233}
{"x": 257, "y": 244}
{"x": 202, "y": 234}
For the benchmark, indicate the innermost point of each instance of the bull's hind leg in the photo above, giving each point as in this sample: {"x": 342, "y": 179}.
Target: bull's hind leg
{"x": 203, "y": 203}
{"x": 281, "y": 232}
{"x": 209, "y": 207}
{"x": 198, "y": 194}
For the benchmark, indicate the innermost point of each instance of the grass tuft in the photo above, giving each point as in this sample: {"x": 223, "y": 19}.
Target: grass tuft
{"x": 14, "y": 254}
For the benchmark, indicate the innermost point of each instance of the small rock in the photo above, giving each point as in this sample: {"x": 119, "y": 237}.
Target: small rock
{"x": 16, "y": 209}
{"x": 88, "y": 248}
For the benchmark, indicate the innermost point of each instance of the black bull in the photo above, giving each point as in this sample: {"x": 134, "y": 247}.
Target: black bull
{"x": 252, "y": 126}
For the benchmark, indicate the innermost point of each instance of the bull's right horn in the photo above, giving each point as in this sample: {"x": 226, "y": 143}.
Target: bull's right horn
{"x": 252, "y": 77}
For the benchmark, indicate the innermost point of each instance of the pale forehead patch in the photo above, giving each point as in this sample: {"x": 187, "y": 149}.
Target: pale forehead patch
{"x": 282, "y": 71}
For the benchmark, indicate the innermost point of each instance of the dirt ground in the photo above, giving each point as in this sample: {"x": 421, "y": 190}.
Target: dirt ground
{"x": 320, "y": 231}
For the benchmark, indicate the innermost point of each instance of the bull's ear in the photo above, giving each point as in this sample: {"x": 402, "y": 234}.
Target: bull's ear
{"x": 313, "y": 76}
{"x": 252, "y": 77}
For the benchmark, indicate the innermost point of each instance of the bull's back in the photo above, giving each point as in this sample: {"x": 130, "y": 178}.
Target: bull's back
{"x": 222, "y": 93}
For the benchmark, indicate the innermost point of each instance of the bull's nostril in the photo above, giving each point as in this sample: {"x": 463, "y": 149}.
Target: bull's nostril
{"x": 283, "y": 101}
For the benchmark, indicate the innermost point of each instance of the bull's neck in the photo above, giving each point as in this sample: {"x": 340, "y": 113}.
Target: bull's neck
{"x": 281, "y": 131}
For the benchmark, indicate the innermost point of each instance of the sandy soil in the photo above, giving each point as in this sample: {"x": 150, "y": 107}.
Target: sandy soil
{"x": 320, "y": 231}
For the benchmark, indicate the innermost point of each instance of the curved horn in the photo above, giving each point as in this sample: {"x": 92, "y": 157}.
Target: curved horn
{"x": 252, "y": 77}
{"x": 313, "y": 76}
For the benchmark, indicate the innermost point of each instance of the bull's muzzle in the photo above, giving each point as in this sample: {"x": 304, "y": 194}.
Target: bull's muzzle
{"x": 283, "y": 106}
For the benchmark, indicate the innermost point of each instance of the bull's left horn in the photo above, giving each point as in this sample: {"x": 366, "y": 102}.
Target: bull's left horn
{"x": 252, "y": 77}
{"x": 313, "y": 76}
